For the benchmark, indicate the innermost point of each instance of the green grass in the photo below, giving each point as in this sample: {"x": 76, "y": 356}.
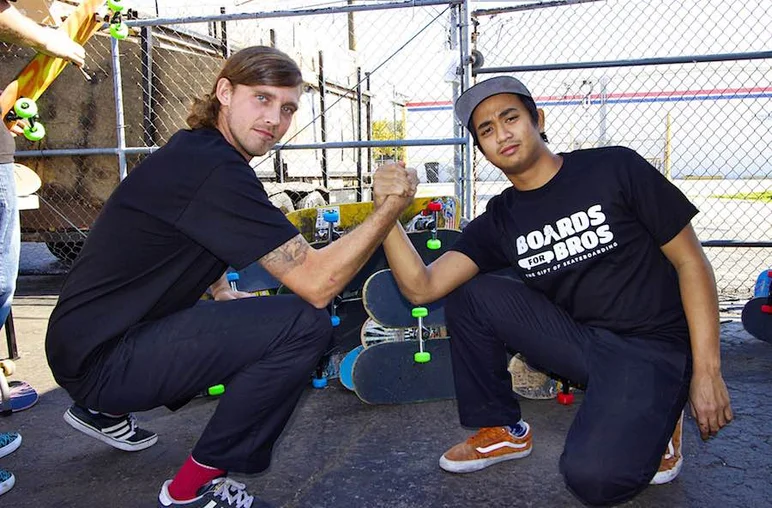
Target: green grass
{"x": 764, "y": 197}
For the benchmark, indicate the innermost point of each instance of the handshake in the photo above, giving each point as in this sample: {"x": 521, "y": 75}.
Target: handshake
{"x": 394, "y": 182}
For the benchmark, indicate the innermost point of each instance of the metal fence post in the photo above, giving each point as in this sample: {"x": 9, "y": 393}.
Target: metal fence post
{"x": 120, "y": 125}
{"x": 150, "y": 132}
{"x": 467, "y": 198}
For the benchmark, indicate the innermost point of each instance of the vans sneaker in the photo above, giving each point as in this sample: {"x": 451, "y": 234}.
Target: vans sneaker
{"x": 490, "y": 445}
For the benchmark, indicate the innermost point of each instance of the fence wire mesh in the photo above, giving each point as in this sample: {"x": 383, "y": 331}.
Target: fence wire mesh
{"x": 707, "y": 125}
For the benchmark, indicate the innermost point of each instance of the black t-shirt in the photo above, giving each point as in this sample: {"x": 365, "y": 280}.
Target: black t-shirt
{"x": 168, "y": 231}
{"x": 590, "y": 241}
{"x": 7, "y": 145}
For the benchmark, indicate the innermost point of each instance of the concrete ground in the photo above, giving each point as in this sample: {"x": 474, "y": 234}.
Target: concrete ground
{"x": 338, "y": 452}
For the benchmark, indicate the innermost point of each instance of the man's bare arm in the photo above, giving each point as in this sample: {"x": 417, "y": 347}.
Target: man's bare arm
{"x": 19, "y": 29}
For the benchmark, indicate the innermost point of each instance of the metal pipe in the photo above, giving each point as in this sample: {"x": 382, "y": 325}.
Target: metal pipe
{"x": 468, "y": 197}
{"x": 120, "y": 126}
{"x": 224, "y": 34}
{"x": 360, "y": 187}
{"x": 668, "y": 60}
{"x": 530, "y": 7}
{"x": 148, "y": 114}
{"x": 376, "y": 143}
{"x": 736, "y": 243}
{"x": 285, "y": 14}
{"x": 458, "y": 152}
{"x": 323, "y": 120}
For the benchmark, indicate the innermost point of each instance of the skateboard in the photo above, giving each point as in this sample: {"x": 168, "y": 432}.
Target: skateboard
{"x": 312, "y": 224}
{"x": 757, "y": 317}
{"x": 15, "y": 395}
{"x": 347, "y": 367}
{"x": 529, "y": 382}
{"x": 27, "y": 181}
{"x": 387, "y": 373}
{"x": 385, "y": 304}
{"x": 17, "y": 101}
{"x": 762, "y": 286}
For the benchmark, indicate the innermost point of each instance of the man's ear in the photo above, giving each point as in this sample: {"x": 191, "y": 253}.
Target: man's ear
{"x": 224, "y": 91}
{"x": 540, "y": 114}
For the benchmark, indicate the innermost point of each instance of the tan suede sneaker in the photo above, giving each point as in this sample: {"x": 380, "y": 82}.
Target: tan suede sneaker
{"x": 490, "y": 445}
{"x": 672, "y": 459}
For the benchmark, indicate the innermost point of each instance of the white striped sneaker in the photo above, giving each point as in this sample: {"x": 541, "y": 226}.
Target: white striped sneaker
{"x": 490, "y": 445}
{"x": 120, "y": 432}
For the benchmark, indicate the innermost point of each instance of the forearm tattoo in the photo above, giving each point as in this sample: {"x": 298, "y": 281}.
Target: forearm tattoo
{"x": 286, "y": 257}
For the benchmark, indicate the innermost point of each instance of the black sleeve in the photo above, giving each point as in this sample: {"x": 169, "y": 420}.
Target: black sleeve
{"x": 660, "y": 206}
{"x": 232, "y": 217}
{"x": 481, "y": 242}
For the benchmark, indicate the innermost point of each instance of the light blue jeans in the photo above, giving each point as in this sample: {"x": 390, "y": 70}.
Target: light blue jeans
{"x": 10, "y": 239}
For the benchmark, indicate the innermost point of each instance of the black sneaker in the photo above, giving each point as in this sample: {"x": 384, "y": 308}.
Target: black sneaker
{"x": 219, "y": 493}
{"x": 118, "y": 431}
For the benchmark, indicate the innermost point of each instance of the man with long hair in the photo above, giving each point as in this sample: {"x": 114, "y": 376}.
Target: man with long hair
{"x": 616, "y": 295}
{"x": 127, "y": 335}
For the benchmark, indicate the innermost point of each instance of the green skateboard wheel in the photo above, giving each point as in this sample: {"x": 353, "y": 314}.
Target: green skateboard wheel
{"x": 25, "y": 108}
{"x": 116, "y": 5}
{"x": 422, "y": 357}
{"x": 420, "y": 312}
{"x": 35, "y": 132}
{"x": 215, "y": 390}
{"x": 119, "y": 30}
{"x": 433, "y": 244}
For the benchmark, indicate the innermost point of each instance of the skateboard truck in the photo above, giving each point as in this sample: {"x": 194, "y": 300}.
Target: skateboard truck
{"x": 421, "y": 356}
{"x": 565, "y": 396}
{"x": 434, "y": 207}
{"x": 27, "y": 109}
{"x": 331, "y": 217}
{"x": 233, "y": 280}
{"x": 118, "y": 28}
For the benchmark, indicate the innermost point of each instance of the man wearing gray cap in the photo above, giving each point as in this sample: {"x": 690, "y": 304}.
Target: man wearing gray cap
{"x": 616, "y": 295}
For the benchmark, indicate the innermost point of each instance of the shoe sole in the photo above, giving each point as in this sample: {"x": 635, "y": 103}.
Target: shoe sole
{"x": 115, "y": 443}
{"x": 470, "y": 466}
{"x": 12, "y": 447}
{"x": 663, "y": 477}
{"x": 7, "y": 484}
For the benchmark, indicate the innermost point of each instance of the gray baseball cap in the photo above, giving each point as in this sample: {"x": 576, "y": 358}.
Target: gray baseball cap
{"x": 471, "y": 98}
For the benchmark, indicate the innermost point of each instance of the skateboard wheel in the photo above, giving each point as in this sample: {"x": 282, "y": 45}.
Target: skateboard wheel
{"x": 422, "y": 357}
{"x": 565, "y": 398}
{"x": 335, "y": 320}
{"x": 434, "y": 206}
{"x": 232, "y": 276}
{"x": 25, "y": 108}
{"x": 319, "y": 382}
{"x": 215, "y": 391}
{"x": 433, "y": 244}
{"x": 766, "y": 309}
{"x": 420, "y": 312}
{"x": 116, "y": 5}
{"x": 35, "y": 132}
{"x": 119, "y": 30}
{"x": 7, "y": 367}
{"x": 331, "y": 216}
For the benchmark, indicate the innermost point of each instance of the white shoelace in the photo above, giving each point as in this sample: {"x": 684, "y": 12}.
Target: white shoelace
{"x": 238, "y": 495}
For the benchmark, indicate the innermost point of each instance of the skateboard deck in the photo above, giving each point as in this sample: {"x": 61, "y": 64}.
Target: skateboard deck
{"x": 531, "y": 383}
{"x": 347, "y": 367}
{"x": 35, "y": 78}
{"x": 311, "y": 224}
{"x": 384, "y": 303}
{"x": 27, "y": 181}
{"x": 387, "y": 373}
{"x": 756, "y": 321}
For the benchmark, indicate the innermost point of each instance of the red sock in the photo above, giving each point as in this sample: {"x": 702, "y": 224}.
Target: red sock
{"x": 191, "y": 477}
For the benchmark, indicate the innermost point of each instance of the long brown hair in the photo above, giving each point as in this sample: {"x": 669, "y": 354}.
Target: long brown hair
{"x": 256, "y": 65}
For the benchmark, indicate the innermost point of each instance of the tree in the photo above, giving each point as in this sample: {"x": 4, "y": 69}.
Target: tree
{"x": 385, "y": 130}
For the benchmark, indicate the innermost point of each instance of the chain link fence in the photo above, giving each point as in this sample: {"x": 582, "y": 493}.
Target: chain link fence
{"x": 685, "y": 84}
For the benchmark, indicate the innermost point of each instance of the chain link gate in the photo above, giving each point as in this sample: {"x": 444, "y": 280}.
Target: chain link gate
{"x": 685, "y": 84}
{"x": 363, "y": 63}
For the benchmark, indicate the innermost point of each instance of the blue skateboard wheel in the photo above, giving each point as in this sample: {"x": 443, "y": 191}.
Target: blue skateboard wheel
{"x": 347, "y": 367}
{"x": 762, "y": 284}
{"x": 319, "y": 382}
{"x": 335, "y": 320}
{"x": 232, "y": 276}
{"x": 331, "y": 216}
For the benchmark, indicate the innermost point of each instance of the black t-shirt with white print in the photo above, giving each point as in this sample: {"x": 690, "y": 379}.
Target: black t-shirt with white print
{"x": 590, "y": 241}
{"x": 168, "y": 231}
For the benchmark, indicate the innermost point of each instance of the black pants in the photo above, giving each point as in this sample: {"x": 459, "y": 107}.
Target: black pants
{"x": 636, "y": 387}
{"x": 264, "y": 349}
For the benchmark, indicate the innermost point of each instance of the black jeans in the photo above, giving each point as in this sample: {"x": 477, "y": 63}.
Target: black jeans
{"x": 636, "y": 387}
{"x": 264, "y": 349}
